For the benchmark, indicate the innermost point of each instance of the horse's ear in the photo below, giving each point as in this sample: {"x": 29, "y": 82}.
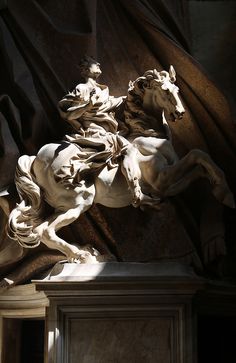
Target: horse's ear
{"x": 131, "y": 86}
{"x": 172, "y": 74}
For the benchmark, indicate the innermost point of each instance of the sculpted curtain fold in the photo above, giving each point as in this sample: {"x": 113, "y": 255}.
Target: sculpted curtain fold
{"x": 41, "y": 43}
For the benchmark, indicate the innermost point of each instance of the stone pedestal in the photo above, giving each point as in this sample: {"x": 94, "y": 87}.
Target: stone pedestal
{"x": 120, "y": 312}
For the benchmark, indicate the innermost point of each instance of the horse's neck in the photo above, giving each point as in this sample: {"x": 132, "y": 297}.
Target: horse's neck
{"x": 154, "y": 114}
{"x": 151, "y": 107}
{"x": 142, "y": 119}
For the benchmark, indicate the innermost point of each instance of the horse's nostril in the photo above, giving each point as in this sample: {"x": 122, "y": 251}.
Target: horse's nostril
{"x": 180, "y": 113}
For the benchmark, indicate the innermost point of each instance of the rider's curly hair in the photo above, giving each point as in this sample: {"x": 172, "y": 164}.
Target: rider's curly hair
{"x": 84, "y": 65}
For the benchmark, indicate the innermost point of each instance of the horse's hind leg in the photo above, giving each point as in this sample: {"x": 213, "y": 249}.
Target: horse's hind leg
{"x": 195, "y": 164}
{"x": 175, "y": 187}
{"x": 47, "y": 232}
{"x": 215, "y": 175}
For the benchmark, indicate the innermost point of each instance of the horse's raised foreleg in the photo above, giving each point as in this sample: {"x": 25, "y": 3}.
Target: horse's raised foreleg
{"x": 131, "y": 171}
{"x": 175, "y": 178}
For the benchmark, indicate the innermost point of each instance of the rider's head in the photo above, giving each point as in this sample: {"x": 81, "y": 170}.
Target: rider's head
{"x": 89, "y": 68}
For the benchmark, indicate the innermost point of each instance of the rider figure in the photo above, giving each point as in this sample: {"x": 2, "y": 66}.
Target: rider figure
{"x": 90, "y": 110}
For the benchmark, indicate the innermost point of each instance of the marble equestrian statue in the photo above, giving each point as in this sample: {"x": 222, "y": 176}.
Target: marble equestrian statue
{"x": 120, "y": 154}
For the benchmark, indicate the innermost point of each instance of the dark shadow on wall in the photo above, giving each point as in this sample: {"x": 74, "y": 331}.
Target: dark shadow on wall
{"x": 216, "y": 339}
{"x": 213, "y": 42}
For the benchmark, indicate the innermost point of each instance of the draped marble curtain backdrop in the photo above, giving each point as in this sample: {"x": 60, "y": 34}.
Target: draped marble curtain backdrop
{"x": 41, "y": 43}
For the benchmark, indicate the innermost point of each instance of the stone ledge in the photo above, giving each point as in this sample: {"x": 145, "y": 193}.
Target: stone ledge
{"x": 108, "y": 278}
{"x": 23, "y": 301}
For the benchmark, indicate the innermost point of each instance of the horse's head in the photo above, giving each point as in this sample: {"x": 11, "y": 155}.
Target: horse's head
{"x": 158, "y": 92}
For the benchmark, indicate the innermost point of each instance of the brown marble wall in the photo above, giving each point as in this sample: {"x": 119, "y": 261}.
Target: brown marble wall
{"x": 121, "y": 340}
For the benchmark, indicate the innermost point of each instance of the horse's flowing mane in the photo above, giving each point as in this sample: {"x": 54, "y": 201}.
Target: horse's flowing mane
{"x": 137, "y": 120}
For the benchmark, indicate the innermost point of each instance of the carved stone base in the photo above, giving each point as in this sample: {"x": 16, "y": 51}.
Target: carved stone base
{"x": 126, "y": 312}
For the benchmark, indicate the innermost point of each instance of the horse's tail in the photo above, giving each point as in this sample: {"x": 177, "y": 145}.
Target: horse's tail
{"x": 27, "y": 214}
{"x": 4, "y": 204}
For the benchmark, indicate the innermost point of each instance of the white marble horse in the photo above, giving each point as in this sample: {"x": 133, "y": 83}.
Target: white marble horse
{"x": 159, "y": 171}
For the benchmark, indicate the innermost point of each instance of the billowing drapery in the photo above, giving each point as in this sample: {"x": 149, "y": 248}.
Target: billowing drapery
{"x": 41, "y": 43}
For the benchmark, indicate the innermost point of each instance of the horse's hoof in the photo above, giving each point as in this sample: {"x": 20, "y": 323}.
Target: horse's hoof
{"x": 87, "y": 257}
{"x": 224, "y": 195}
{"x": 150, "y": 202}
{"x": 5, "y": 283}
{"x": 87, "y": 254}
{"x": 137, "y": 197}
{"x": 229, "y": 200}
{"x": 82, "y": 258}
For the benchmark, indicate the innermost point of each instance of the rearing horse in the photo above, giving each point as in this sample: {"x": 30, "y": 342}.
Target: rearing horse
{"x": 159, "y": 171}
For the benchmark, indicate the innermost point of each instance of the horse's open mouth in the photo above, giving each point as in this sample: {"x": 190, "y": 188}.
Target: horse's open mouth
{"x": 173, "y": 117}
{"x": 176, "y": 116}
